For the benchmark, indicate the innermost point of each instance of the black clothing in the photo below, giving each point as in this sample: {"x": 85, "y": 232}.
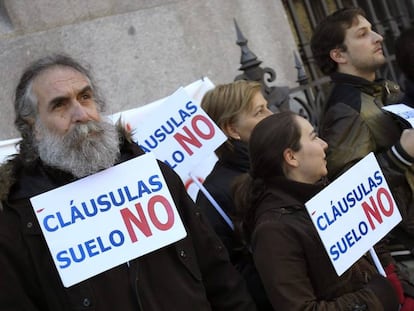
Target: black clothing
{"x": 408, "y": 98}
{"x": 355, "y": 125}
{"x": 219, "y": 183}
{"x": 192, "y": 274}
{"x": 294, "y": 265}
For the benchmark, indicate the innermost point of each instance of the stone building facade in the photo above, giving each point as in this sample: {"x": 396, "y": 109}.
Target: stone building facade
{"x": 141, "y": 50}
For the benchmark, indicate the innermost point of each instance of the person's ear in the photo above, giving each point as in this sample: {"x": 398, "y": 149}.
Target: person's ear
{"x": 290, "y": 158}
{"x": 338, "y": 56}
{"x": 32, "y": 124}
{"x": 231, "y": 131}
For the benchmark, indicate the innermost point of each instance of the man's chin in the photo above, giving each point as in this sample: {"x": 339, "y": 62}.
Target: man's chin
{"x": 381, "y": 59}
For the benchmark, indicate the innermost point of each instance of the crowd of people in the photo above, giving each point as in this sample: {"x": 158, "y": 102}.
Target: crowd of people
{"x": 269, "y": 255}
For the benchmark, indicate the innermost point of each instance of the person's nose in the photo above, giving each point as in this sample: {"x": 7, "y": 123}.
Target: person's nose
{"x": 79, "y": 113}
{"x": 377, "y": 37}
{"x": 324, "y": 144}
{"x": 268, "y": 112}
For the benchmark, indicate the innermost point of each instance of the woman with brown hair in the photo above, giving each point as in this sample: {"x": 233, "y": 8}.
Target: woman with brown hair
{"x": 287, "y": 168}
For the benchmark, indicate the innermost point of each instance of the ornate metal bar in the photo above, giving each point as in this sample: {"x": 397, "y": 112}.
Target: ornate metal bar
{"x": 277, "y": 97}
{"x": 403, "y": 9}
{"x": 395, "y": 31}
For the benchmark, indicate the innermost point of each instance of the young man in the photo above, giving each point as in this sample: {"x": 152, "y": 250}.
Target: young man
{"x": 353, "y": 124}
{"x": 64, "y": 138}
{"x": 346, "y": 48}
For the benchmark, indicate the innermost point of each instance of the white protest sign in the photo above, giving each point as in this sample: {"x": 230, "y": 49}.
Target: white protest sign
{"x": 179, "y": 132}
{"x": 132, "y": 119}
{"x": 353, "y": 213}
{"x": 108, "y": 218}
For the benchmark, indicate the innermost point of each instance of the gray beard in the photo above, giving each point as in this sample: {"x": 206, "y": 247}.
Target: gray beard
{"x": 88, "y": 148}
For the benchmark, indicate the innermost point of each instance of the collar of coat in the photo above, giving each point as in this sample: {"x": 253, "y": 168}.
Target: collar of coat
{"x": 8, "y": 169}
{"x": 285, "y": 195}
{"x": 236, "y": 157}
{"x": 374, "y": 88}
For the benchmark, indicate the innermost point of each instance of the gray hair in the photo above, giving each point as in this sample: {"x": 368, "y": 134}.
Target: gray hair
{"x": 25, "y": 101}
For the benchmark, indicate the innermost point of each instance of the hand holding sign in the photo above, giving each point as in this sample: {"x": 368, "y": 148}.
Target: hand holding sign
{"x": 179, "y": 133}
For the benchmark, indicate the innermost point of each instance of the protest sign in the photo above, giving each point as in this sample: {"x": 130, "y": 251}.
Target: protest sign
{"x": 179, "y": 133}
{"x": 201, "y": 162}
{"x": 353, "y": 213}
{"x": 109, "y": 218}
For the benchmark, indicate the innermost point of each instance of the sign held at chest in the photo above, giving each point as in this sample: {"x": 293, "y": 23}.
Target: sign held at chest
{"x": 109, "y": 218}
{"x": 353, "y": 213}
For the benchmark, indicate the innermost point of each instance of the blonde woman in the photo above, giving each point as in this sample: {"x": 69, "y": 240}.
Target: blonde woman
{"x": 236, "y": 108}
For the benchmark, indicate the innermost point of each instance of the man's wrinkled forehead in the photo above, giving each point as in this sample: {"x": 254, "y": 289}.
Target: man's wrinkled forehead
{"x": 59, "y": 81}
{"x": 58, "y": 77}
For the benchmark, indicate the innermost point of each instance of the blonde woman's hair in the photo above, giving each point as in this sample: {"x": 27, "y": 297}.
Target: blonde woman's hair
{"x": 226, "y": 102}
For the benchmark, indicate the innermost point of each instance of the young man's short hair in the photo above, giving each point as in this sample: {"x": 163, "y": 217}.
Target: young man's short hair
{"x": 330, "y": 34}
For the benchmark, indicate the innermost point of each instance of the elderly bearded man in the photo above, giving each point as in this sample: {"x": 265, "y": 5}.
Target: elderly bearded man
{"x": 64, "y": 137}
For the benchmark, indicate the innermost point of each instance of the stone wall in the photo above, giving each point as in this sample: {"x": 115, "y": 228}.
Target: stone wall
{"x": 141, "y": 50}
